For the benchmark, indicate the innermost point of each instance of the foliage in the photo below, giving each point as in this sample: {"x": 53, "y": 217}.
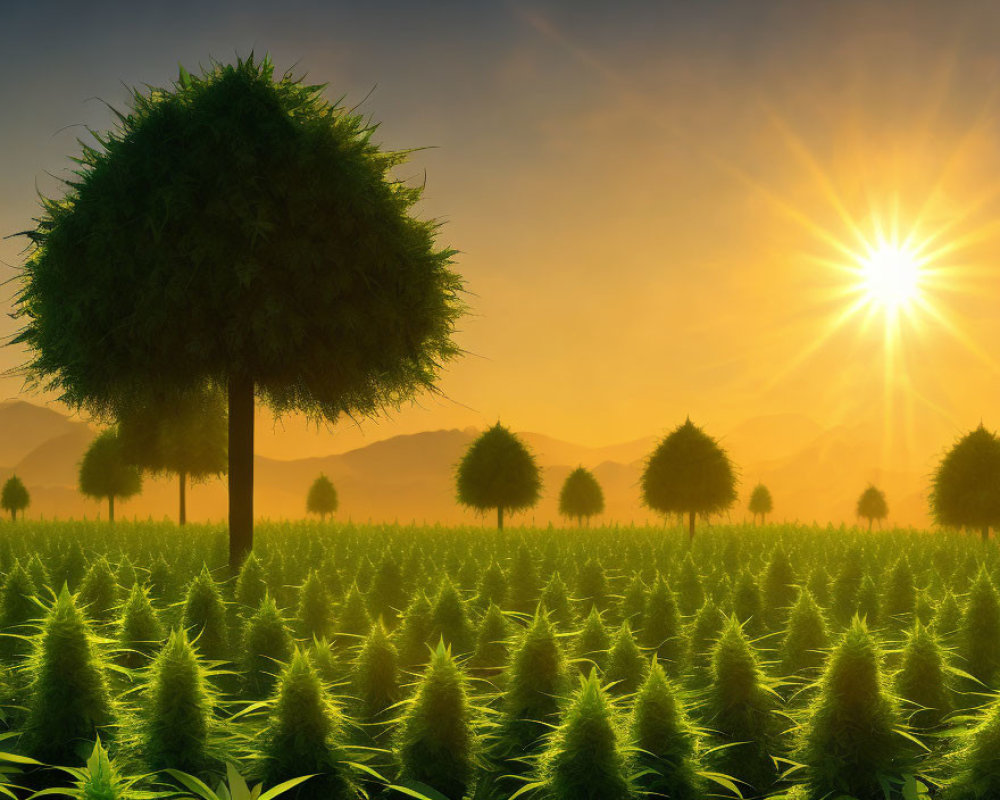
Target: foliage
{"x": 966, "y": 489}
{"x": 581, "y": 496}
{"x": 872, "y": 505}
{"x": 14, "y": 497}
{"x": 106, "y": 473}
{"x": 322, "y": 498}
{"x": 498, "y": 471}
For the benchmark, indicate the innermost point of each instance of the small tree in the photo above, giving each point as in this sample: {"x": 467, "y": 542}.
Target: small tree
{"x": 581, "y": 496}
{"x": 688, "y": 473}
{"x": 15, "y": 496}
{"x": 498, "y": 471}
{"x": 760, "y": 502}
{"x": 872, "y": 506}
{"x": 186, "y": 437}
{"x": 238, "y": 231}
{"x": 322, "y": 498}
{"x": 105, "y": 472}
{"x": 966, "y": 491}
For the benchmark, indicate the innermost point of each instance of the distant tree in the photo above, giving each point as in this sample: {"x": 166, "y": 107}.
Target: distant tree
{"x": 498, "y": 471}
{"x": 185, "y": 437}
{"x": 322, "y": 497}
{"x": 966, "y": 490}
{"x": 872, "y": 506}
{"x": 760, "y": 502}
{"x": 15, "y": 496}
{"x": 105, "y": 473}
{"x": 581, "y": 495}
{"x": 688, "y": 473}
{"x": 236, "y": 230}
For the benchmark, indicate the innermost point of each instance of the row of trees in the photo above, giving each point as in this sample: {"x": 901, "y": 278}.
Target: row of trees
{"x": 690, "y": 474}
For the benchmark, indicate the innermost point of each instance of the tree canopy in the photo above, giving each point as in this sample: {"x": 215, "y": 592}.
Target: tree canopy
{"x": 498, "y": 471}
{"x": 688, "y": 473}
{"x": 581, "y": 495}
{"x": 872, "y": 505}
{"x": 105, "y": 473}
{"x": 761, "y": 503}
{"x": 966, "y": 489}
{"x": 14, "y": 497}
{"x": 322, "y": 497}
{"x": 236, "y": 230}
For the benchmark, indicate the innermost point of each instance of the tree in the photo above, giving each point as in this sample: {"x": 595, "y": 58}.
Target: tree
{"x": 498, "y": 471}
{"x": 760, "y": 502}
{"x": 966, "y": 490}
{"x": 688, "y": 473}
{"x": 14, "y": 497}
{"x": 105, "y": 473}
{"x": 322, "y": 497}
{"x": 581, "y": 495}
{"x": 186, "y": 438}
{"x": 872, "y": 506}
{"x": 236, "y": 231}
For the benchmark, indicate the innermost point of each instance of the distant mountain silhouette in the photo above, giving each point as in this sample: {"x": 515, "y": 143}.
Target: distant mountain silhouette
{"x": 814, "y": 474}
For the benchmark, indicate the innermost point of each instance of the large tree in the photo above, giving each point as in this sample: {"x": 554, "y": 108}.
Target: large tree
{"x": 14, "y": 497}
{"x": 872, "y": 505}
{"x": 966, "y": 491}
{"x": 498, "y": 471}
{"x": 761, "y": 503}
{"x": 581, "y": 495}
{"x": 322, "y": 498}
{"x": 688, "y": 473}
{"x": 237, "y": 231}
{"x": 105, "y": 473}
{"x": 186, "y": 438}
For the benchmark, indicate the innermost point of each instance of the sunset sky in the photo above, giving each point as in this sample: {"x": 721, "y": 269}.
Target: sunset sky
{"x": 651, "y": 204}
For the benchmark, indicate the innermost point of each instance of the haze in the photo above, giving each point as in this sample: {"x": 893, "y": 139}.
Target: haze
{"x": 637, "y": 195}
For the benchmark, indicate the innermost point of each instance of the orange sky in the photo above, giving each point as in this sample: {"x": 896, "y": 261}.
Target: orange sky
{"x": 636, "y": 200}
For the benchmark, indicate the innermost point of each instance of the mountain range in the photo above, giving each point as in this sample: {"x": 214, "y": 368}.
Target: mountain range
{"x": 815, "y": 474}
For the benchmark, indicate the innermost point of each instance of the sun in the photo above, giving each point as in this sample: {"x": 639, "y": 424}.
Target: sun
{"x": 890, "y": 274}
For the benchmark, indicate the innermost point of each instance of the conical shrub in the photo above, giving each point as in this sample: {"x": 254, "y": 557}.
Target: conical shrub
{"x": 626, "y": 667}
{"x": 665, "y": 757}
{"x": 779, "y": 591}
{"x": 979, "y": 630}
{"x": 267, "y": 645}
{"x": 633, "y": 604}
{"x": 806, "y": 638}
{"x": 353, "y": 622}
{"x": 17, "y": 608}
{"x": 592, "y": 643}
{"x": 538, "y": 679}
{"x": 900, "y": 599}
{"x": 387, "y": 597}
{"x": 492, "y": 587}
{"x": 99, "y": 591}
{"x": 947, "y": 617}
{"x": 436, "y": 745}
{"x": 414, "y": 634}
{"x": 314, "y": 617}
{"x": 661, "y": 630}
{"x": 923, "y": 679}
{"x": 741, "y": 708}
{"x": 492, "y": 641}
{"x": 705, "y": 629}
{"x": 592, "y": 585}
{"x": 585, "y": 758}
{"x": 748, "y": 603}
{"x": 139, "y": 628}
{"x": 204, "y": 617}
{"x": 451, "y": 620}
{"x": 68, "y": 699}
{"x": 690, "y": 594}
{"x": 303, "y": 737}
{"x": 177, "y": 706}
{"x": 851, "y": 744}
{"x": 869, "y": 603}
{"x": 376, "y": 674}
{"x": 555, "y": 597}
{"x": 522, "y": 582}
{"x": 251, "y": 585}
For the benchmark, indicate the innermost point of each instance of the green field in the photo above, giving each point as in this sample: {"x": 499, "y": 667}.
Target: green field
{"x": 576, "y": 663}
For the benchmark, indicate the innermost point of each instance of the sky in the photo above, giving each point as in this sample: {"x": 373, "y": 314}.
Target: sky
{"x": 654, "y": 204}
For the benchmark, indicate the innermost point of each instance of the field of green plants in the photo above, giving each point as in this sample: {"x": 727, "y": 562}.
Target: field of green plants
{"x": 605, "y": 663}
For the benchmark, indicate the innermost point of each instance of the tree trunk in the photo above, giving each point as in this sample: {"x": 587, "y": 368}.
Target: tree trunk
{"x": 499, "y": 518}
{"x": 241, "y": 408}
{"x": 986, "y": 533}
{"x": 111, "y": 508}
{"x": 182, "y": 514}
{"x": 690, "y": 526}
